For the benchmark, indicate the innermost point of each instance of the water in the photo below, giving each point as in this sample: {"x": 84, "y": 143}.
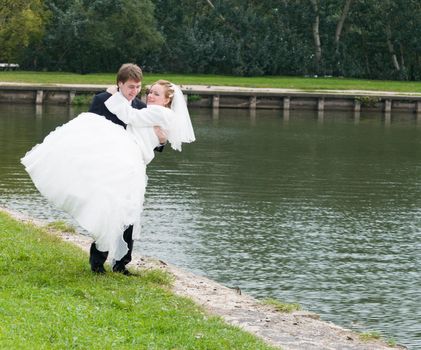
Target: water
{"x": 323, "y": 212}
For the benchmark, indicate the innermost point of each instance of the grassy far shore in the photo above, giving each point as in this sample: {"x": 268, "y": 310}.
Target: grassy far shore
{"x": 49, "y": 299}
{"x": 286, "y": 82}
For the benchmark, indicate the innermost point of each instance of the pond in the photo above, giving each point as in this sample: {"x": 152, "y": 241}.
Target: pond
{"x": 325, "y": 212}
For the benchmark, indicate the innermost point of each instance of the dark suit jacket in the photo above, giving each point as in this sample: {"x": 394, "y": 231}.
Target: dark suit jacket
{"x": 98, "y": 107}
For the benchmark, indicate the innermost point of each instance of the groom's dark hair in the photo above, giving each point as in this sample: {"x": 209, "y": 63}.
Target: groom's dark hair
{"x": 129, "y": 71}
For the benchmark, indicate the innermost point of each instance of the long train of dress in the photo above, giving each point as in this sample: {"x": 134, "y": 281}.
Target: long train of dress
{"x": 94, "y": 170}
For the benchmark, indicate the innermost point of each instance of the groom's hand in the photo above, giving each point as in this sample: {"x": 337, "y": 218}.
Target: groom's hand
{"x": 162, "y": 136}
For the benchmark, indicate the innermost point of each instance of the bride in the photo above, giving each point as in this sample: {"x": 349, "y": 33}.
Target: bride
{"x": 96, "y": 171}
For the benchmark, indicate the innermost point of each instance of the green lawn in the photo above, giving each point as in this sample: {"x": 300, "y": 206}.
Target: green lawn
{"x": 49, "y": 299}
{"x": 197, "y": 79}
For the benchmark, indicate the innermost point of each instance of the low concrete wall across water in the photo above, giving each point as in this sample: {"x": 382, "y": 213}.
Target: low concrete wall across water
{"x": 231, "y": 97}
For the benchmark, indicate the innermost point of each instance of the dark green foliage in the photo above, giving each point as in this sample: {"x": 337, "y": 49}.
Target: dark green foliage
{"x": 378, "y": 39}
{"x": 234, "y": 37}
{"x": 92, "y": 36}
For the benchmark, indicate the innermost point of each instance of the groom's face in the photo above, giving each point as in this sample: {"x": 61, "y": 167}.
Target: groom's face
{"x": 130, "y": 89}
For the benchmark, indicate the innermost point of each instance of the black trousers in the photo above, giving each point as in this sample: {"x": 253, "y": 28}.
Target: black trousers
{"x": 98, "y": 258}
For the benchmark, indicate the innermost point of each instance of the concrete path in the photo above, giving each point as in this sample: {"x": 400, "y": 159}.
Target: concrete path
{"x": 297, "y": 91}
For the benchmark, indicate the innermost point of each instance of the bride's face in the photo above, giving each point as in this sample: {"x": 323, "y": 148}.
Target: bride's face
{"x": 156, "y": 96}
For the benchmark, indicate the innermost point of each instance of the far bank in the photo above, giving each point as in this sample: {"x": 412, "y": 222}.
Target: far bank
{"x": 217, "y": 97}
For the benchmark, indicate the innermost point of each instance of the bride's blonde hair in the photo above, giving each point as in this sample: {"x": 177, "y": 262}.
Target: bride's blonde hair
{"x": 168, "y": 88}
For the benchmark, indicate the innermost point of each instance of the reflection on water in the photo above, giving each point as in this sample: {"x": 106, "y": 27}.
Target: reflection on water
{"x": 320, "y": 210}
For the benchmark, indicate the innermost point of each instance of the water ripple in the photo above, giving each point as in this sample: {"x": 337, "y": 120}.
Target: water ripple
{"x": 327, "y": 215}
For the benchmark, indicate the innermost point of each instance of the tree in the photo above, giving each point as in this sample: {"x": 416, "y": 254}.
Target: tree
{"x": 387, "y": 38}
{"x": 338, "y": 33}
{"x": 237, "y": 37}
{"x": 21, "y": 23}
{"x": 341, "y": 22}
{"x": 354, "y": 38}
{"x": 90, "y": 36}
{"x": 316, "y": 34}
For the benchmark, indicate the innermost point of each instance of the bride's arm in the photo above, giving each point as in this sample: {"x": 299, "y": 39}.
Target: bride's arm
{"x": 139, "y": 118}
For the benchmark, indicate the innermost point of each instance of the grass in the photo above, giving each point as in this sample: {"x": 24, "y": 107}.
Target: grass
{"x": 391, "y": 342}
{"x": 282, "y": 307}
{"x": 375, "y": 335}
{"x": 49, "y": 299}
{"x": 82, "y": 99}
{"x": 372, "y": 335}
{"x": 287, "y": 82}
{"x": 61, "y": 226}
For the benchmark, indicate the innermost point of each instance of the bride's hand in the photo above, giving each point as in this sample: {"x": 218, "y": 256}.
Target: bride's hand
{"x": 112, "y": 89}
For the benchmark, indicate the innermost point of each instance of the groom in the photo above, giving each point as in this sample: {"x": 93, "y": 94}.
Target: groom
{"x": 129, "y": 82}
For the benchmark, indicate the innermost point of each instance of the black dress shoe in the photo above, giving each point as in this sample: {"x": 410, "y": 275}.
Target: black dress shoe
{"x": 98, "y": 269}
{"x": 126, "y": 272}
{"x": 95, "y": 267}
{"x": 97, "y": 259}
{"x": 121, "y": 269}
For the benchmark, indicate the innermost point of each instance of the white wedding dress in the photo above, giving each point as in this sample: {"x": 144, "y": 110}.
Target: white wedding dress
{"x": 96, "y": 170}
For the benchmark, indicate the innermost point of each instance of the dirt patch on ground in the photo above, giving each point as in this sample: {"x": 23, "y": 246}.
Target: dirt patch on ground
{"x": 299, "y": 330}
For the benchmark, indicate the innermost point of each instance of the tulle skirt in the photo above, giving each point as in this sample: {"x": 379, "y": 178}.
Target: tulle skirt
{"x": 92, "y": 169}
